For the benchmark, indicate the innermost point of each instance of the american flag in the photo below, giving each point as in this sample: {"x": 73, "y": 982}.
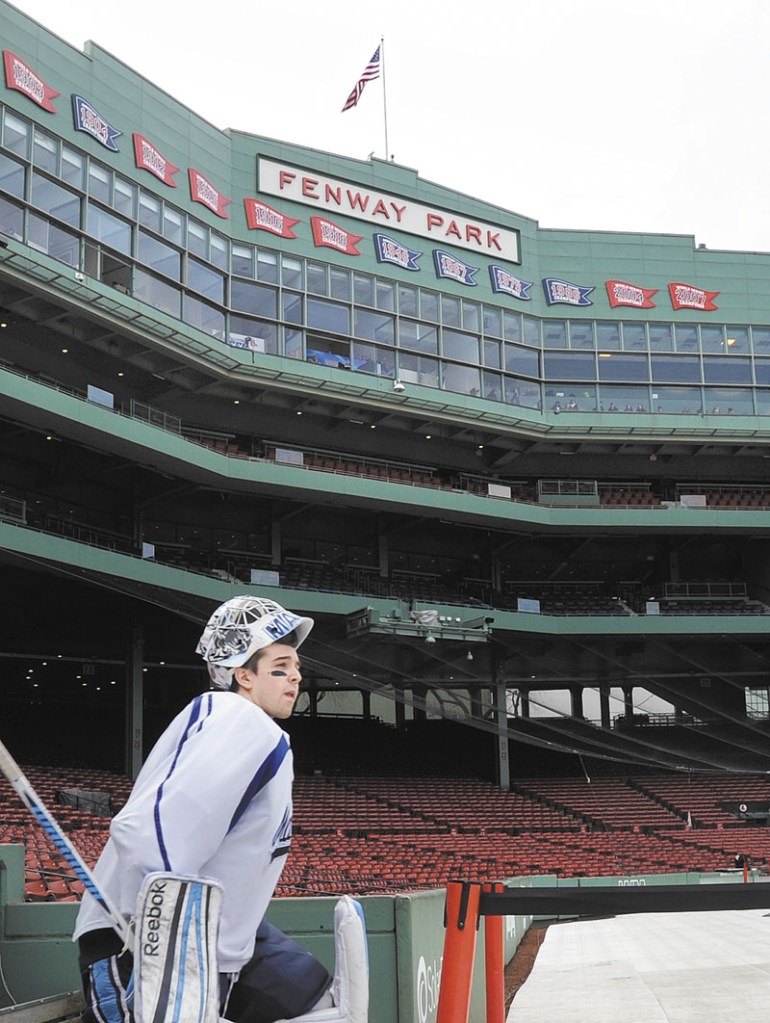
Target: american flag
{"x": 371, "y": 71}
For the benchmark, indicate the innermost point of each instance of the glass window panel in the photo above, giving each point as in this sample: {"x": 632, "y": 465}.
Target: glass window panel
{"x": 492, "y": 385}
{"x": 219, "y": 251}
{"x": 324, "y": 351}
{"x": 608, "y": 336}
{"x": 737, "y": 340}
{"x": 108, "y": 228}
{"x": 712, "y": 339}
{"x": 16, "y": 134}
{"x": 581, "y": 334}
{"x": 684, "y": 368}
{"x": 292, "y": 307}
{"x": 471, "y": 316}
{"x": 11, "y": 176}
{"x": 761, "y": 340}
{"x": 100, "y": 183}
{"x": 149, "y": 213}
{"x": 267, "y": 266}
{"x": 45, "y": 152}
{"x": 407, "y": 300}
{"x": 54, "y": 240}
{"x": 340, "y": 283}
{"x": 204, "y": 316}
{"x": 522, "y": 361}
{"x": 157, "y": 293}
{"x": 523, "y": 392}
{"x": 316, "y": 278}
{"x": 492, "y": 354}
{"x": 450, "y": 311}
{"x": 634, "y": 336}
{"x": 566, "y": 397}
{"x": 256, "y": 299}
{"x": 291, "y": 272}
{"x": 292, "y": 343}
{"x": 555, "y": 334}
{"x": 462, "y": 380}
{"x": 460, "y": 346}
{"x": 197, "y": 239}
{"x": 661, "y": 337}
{"x": 173, "y": 225}
{"x": 363, "y": 289}
{"x": 385, "y": 295}
{"x": 11, "y": 219}
{"x": 762, "y": 399}
{"x": 205, "y": 281}
{"x": 422, "y": 336}
{"x": 56, "y": 200}
{"x": 686, "y": 338}
{"x": 569, "y": 366}
{"x": 243, "y": 260}
{"x": 124, "y": 196}
{"x": 329, "y": 316}
{"x": 726, "y": 370}
{"x": 493, "y": 322}
{"x": 728, "y": 401}
{"x": 72, "y": 167}
{"x": 616, "y": 398}
{"x": 429, "y": 305}
{"x": 681, "y": 401}
{"x": 159, "y": 256}
{"x": 622, "y": 367}
{"x": 762, "y": 371}
{"x": 258, "y": 335}
{"x": 531, "y": 330}
{"x": 512, "y": 326}
{"x": 368, "y": 358}
{"x": 375, "y": 326}
{"x": 418, "y": 369}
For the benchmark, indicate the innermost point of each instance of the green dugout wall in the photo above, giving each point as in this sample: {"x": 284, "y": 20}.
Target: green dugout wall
{"x": 405, "y": 941}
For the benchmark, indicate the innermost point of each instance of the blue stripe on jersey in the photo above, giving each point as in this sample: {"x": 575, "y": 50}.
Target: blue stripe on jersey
{"x": 200, "y": 709}
{"x": 266, "y": 772}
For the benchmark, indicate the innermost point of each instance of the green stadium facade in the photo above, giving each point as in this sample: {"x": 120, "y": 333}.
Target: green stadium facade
{"x": 500, "y": 465}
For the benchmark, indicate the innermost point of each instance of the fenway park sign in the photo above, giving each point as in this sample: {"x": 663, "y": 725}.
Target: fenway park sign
{"x": 386, "y": 211}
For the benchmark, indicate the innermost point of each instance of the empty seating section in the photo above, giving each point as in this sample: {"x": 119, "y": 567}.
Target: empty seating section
{"x": 375, "y": 834}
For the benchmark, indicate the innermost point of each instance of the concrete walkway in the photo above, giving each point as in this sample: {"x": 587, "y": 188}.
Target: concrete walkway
{"x": 651, "y": 968}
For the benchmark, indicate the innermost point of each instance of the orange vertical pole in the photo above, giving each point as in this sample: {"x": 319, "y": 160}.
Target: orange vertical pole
{"x": 462, "y": 920}
{"x": 494, "y": 954}
{"x": 745, "y": 872}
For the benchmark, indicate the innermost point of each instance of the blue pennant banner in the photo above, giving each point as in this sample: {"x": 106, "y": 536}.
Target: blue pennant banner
{"x": 565, "y": 293}
{"x": 504, "y": 283}
{"x": 453, "y": 268}
{"x": 390, "y": 251}
{"x": 90, "y": 121}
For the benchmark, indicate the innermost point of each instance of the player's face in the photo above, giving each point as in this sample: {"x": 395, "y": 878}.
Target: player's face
{"x": 275, "y": 685}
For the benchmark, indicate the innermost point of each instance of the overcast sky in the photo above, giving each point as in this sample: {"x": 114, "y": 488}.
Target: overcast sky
{"x": 587, "y": 114}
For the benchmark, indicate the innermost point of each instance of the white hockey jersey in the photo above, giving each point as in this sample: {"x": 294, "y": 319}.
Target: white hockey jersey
{"x": 213, "y": 799}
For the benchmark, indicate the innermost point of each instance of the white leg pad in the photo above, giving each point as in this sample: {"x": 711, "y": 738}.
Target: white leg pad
{"x": 175, "y": 950}
{"x": 350, "y": 988}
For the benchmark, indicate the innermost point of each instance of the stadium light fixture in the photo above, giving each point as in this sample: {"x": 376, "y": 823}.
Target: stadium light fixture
{"x": 429, "y": 637}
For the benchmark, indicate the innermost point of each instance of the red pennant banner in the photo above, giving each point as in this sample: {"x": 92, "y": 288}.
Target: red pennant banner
{"x": 687, "y": 296}
{"x": 261, "y": 217}
{"x": 623, "y": 293}
{"x": 334, "y": 237}
{"x": 150, "y": 159}
{"x": 201, "y": 190}
{"x": 21, "y": 77}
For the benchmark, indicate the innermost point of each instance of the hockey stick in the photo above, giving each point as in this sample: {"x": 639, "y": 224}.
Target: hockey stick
{"x": 45, "y": 819}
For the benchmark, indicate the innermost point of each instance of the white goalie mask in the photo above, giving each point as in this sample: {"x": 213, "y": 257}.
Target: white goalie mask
{"x": 240, "y": 627}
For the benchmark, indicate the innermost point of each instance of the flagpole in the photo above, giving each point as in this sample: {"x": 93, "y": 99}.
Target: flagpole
{"x": 384, "y": 96}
